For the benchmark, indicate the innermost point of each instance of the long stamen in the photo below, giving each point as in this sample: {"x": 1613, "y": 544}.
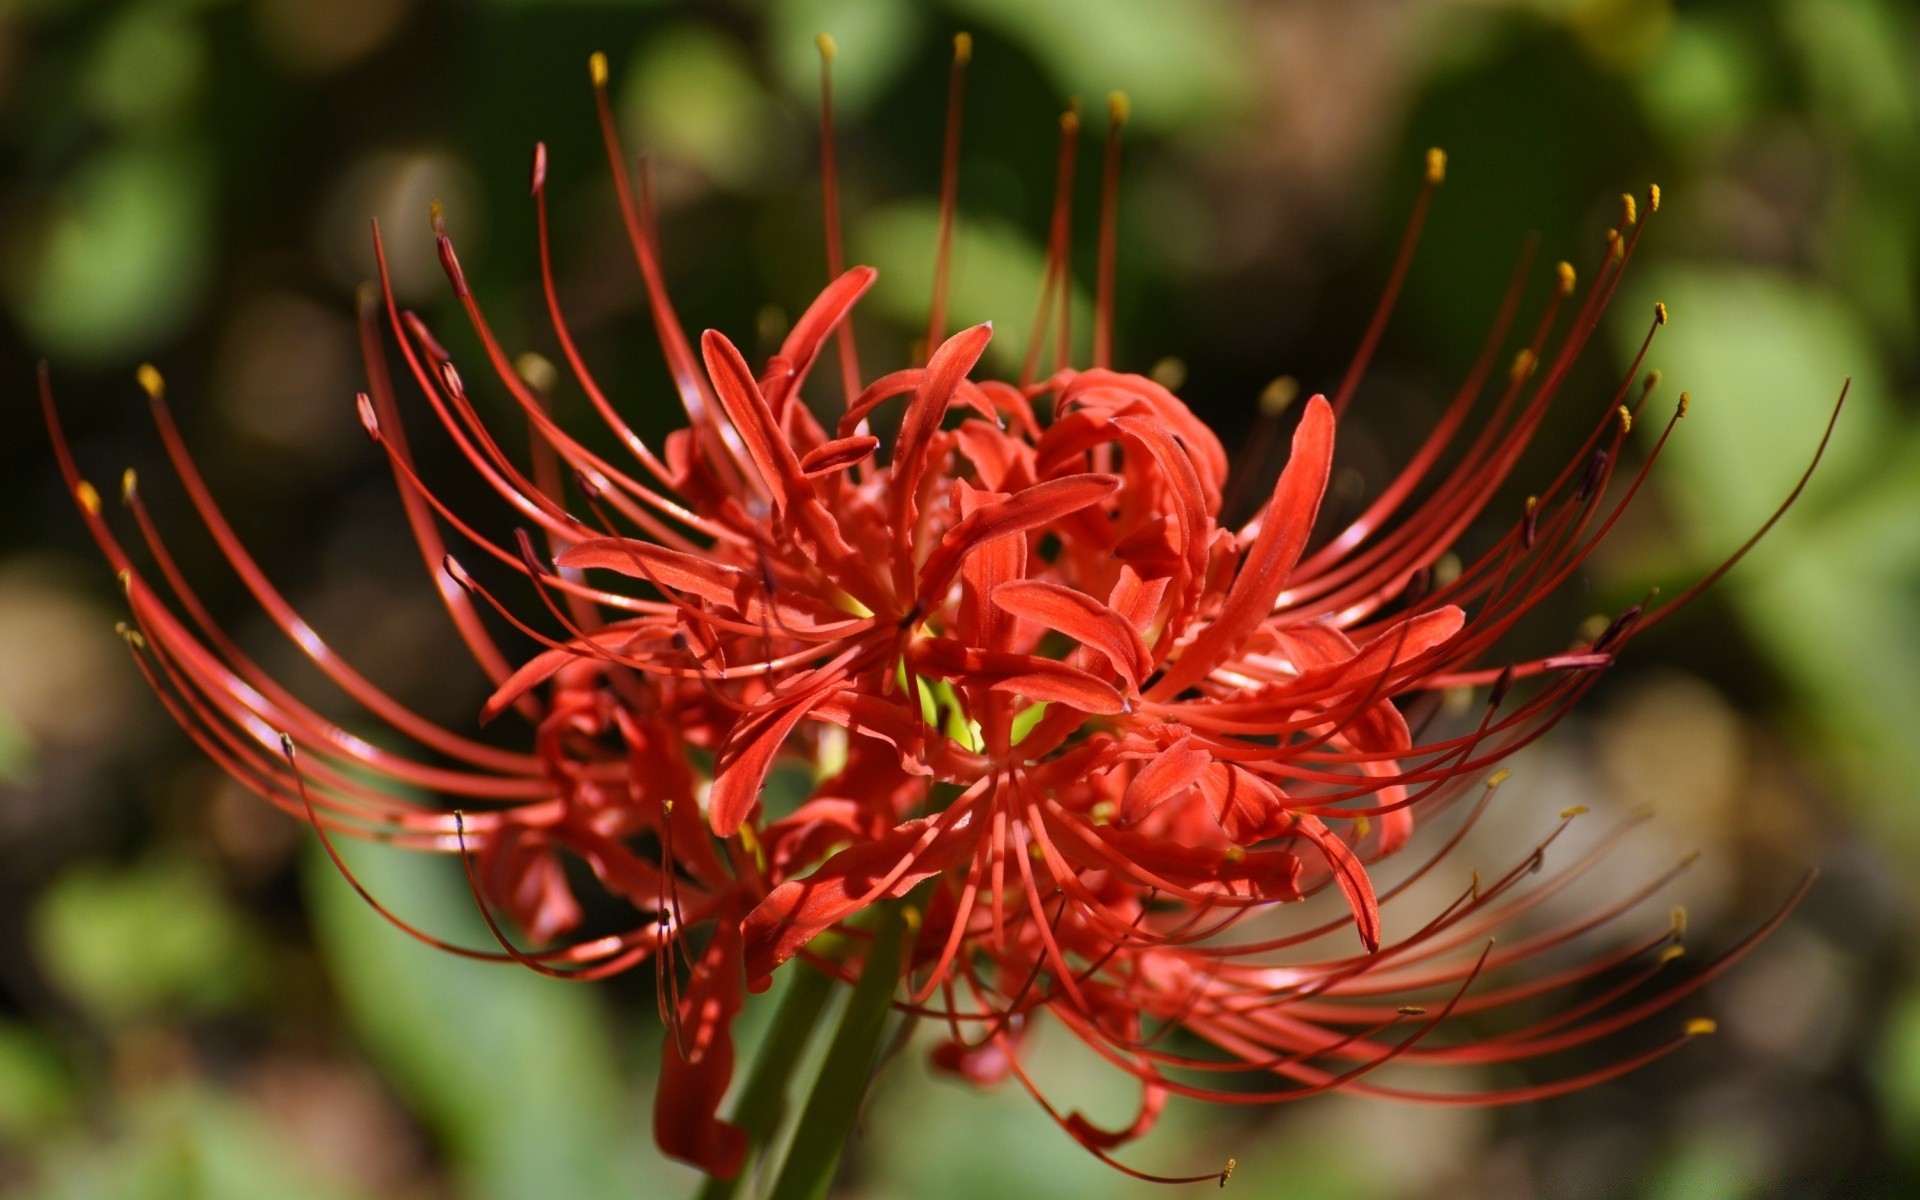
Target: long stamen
{"x": 1118, "y": 109}
{"x": 949, "y": 188}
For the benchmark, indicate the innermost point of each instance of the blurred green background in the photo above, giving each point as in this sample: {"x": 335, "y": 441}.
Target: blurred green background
{"x": 192, "y": 1006}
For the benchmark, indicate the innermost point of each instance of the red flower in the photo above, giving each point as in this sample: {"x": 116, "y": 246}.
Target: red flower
{"x": 1102, "y": 737}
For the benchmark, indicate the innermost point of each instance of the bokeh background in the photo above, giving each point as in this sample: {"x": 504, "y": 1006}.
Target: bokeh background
{"x": 192, "y": 1005}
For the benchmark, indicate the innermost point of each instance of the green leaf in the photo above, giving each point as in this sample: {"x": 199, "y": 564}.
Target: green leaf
{"x": 155, "y": 937}
{"x": 876, "y": 38}
{"x": 997, "y": 270}
{"x": 763, "y": 1100}
{"x": 1180, "y": 61}
{"x": 827, "y": 1121}
{"x": 122, "y": 260}
{"x": 517, "y": 1074}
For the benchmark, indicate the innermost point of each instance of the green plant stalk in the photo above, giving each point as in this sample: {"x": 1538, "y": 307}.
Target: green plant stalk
{"x": 762, "y": 1101}
{"x": 832, "y": 1108}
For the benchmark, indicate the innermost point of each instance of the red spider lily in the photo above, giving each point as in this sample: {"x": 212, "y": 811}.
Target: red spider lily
{"x": 1100, "y": 737}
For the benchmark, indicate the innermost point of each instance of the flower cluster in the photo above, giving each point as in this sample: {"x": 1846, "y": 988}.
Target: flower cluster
{"x": 1101, "y": 738}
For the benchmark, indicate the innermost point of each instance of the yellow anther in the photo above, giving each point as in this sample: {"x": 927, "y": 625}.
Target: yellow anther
{"x": 1412, "y": 1010}
{"x": 150, "y": 381}
{"x": 1276, "y": 396}
{"x": 910, "y": 916}
{"x": 1070, "y": 119}
{"x": 1235, "y": 854}
{"x": 1119, "y": 108}
{"x": 1532, "y": 505}
{"x": 129, "y": 484}
{"x": 539, "y": 373}
{"x": 1671, "y": 953}
{"x": 1685, "y": 399}
{"x": 1475, "y": 887}
{"x": 962, "y": 48}
{"x": 1436, "y": 165}
{"x": 1572, "y": 811}
{"x": 597, "y": 68}
{"x": 1653, "y": 197}
{"x": 1362, "y": 826}
{"x": 1226, "y": 1172}
{"x": 1652, "y": 380}
{"x": 89, "y": 498}
{"x": 828, "y": 47}
{"x": 1567, "y": 277}
{"x": 1659, "y": 312}
{"x": 1498, "y": 777}
{"x": 1525, "y": 362}
{"x": 125, "y": 579}
{"x": 1169, "y": 373}
{"x": 130, "y": 635}
{"x": 1629, "y": 211}
{"x": 1679, "y": 919}
{"x": 1701, "y": 1026}
{"x": 1626, "y": 419}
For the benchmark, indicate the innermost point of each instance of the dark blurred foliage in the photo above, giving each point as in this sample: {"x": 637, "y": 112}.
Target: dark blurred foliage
{"x": 191, "y": 1004}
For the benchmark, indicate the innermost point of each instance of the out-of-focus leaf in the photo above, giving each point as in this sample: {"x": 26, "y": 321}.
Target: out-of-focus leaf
{"x": 1703, "y": 83}
{"x": 876, "y": 38}
{"x": 1826, "y": 596}
{"x": 516, "y": 1073}
{"x": 1763, "y": 355}
{"x": 1710, "y": 1165}
{"x": 145, "y": 69}
{"x": 121, "y": 261}
{"x": 1897, "y": 1070}
{"x": 187, "y": 1145}
{"x": 1180, "y": 61}
{"x": 692, "y": 96}
{"x": 36, "y": 1093}
{"x": 16, "y": 750}
{"x": 996, "y": 276}
{"x": 156, "y": 936}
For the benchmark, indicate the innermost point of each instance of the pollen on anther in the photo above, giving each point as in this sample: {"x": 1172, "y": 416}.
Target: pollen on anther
{"x": 828, "y": 47}
{"x": 1659, "y": 312}
{"x": 151, "y": 381}
{"x": 1569, "y": 813}
{"x": 1653, "y": 197}
{"x": 1412, "y": 1010}
{"x": 1524, "y": 364}
{"x": 1685, "y": 400}
{"x": 1436, "y": 165}
{"x": 1626, "y": 419}
{"x": 1169, "y": 373}
{"x": 1629, "y": 211}
{"x": 1679, "y": 920}
{"x": 1499, "y": 777}
{"x": 963, "y": 48}
{"x": 88, "y": 497}
{"x": 129, "y": 485}
{"x": 539, "y": 373}
{"x": 1226, "y": 1172}
{"x": 1276, "y": 396}
{"x": 597, "y": 68}
{"x": 1119, "y": 108}
{"x": 1701, "y": 1026}
{"x": 1671, "y": 953}
{"x": 1567, "y": 278}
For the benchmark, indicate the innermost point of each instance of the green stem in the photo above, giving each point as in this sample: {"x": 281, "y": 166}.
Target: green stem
{"x": 763, "y": 1099}
{"x": 827, "y": 1121}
